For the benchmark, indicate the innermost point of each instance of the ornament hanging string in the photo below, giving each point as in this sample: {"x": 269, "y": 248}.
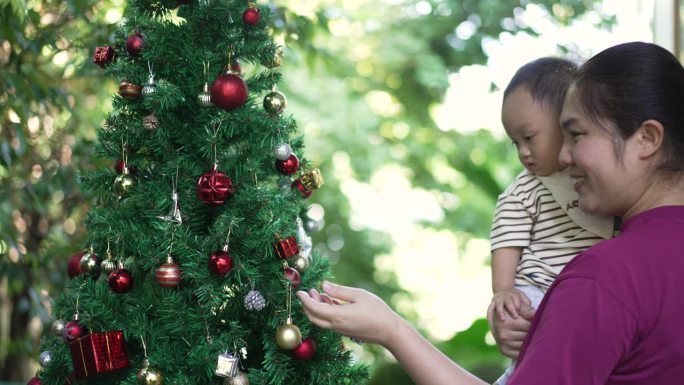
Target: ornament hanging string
{"x": 124, "y": 155}
{"x": 78, "y": 294}
{"x": 150, "y": 67}
{"x": 213, "y": 144}
{"x": 206, "y": 327}
{"x": 205, "y": 63}
{"x": 289, "y": 300}
{"x": 144, "y": 347}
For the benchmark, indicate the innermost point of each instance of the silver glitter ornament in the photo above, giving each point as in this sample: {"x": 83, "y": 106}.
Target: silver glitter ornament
{"x": 45, "y": 359}
{"x": 282, "y": 151}
{"x": 239, "y": 379}
{"x": 254, "y": 301}
{"x": 312, "y": 225}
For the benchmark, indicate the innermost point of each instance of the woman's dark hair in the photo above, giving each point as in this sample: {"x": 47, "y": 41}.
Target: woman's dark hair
{"x": 546, "y": 79}
{"x": 630, "y": 83}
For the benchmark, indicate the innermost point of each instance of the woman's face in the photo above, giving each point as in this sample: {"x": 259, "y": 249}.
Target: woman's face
{"x": 606, "y": 184}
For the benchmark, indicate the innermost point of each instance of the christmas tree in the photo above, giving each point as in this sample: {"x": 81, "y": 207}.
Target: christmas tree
{"x": 198, "y": 237}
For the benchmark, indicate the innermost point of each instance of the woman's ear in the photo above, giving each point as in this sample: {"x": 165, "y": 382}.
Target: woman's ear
{"x": 650, "y": 138}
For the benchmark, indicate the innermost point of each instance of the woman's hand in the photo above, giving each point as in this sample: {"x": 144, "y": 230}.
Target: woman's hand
{"x": 353, "y": 312}
{"x": 510, "y": 333}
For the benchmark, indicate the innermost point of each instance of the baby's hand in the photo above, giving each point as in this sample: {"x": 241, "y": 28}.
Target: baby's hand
{"x": 507, "y": 301}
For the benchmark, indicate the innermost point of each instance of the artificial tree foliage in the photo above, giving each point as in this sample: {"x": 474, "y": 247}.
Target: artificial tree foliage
{"x": 180, "y": 331}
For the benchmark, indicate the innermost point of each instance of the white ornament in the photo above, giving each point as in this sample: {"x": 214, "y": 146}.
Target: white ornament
{"x": 282, "y": 151}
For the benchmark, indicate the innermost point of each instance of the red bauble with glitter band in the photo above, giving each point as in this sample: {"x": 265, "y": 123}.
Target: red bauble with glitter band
{"x": 305, "y": 350}
{"x": 288, "y": 166}
{"x": 228, "y": 91}
{"x": 214, "y": 187}
{"x": 168, "y": 275}
{"x": 34, "y": 381}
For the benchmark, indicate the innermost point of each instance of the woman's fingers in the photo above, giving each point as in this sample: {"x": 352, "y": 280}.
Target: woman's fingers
{"x": 344, "y": 293}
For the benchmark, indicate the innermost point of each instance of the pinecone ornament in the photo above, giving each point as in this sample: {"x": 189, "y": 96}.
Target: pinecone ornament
{"x": 254, "y": 301}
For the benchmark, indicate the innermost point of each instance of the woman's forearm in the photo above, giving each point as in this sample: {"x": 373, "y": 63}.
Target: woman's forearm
{"x": 423, "y": 362}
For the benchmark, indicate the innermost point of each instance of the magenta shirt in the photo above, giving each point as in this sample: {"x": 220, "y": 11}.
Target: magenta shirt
{"x": 615, "y": 314}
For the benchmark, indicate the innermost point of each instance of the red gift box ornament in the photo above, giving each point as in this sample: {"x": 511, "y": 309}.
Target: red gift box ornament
{"x": 214, "y": 187}
{"x": 103, "y": 56}
{"x": 98, "y": 353}
{"x": 286, "y": 248}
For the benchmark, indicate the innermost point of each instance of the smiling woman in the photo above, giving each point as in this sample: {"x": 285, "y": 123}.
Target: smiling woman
{"x": 612, "y": 309}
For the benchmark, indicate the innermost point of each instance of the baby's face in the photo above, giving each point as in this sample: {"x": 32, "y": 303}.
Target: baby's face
{"x": 534, "y": 130}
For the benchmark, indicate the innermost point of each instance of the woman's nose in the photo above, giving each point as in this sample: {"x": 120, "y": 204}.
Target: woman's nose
{"x": 565, "y": 154}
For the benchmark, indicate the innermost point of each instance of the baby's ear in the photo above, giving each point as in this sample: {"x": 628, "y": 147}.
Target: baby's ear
{"x": 650, "y": 138}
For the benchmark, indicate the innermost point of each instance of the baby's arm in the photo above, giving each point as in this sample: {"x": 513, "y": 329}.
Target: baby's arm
{"x": 506, "y": 299}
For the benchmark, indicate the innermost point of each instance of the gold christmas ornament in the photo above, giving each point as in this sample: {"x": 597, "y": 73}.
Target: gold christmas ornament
{"x": 90, "y": 263}
{"x": 239, "y": 379}
{"x": 123, "y": 183}
{"x": 312, "y": 179}
{"x": 58, "y": 327}
{"x": 276, "y": 61}
{"x": 149, "y": 376}
{"x": 288, "y": 335}
{"x": 275, "y": 102}
{"x": 300, "y": 262}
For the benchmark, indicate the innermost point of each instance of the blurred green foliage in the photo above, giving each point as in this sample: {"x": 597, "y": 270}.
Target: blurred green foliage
{"x": 337, "y": 53}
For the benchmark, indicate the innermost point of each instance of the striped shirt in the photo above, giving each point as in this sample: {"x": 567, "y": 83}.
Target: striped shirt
{"x": 528, "y": 216}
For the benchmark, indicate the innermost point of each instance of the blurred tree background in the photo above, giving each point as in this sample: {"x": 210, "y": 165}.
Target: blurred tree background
{"x": 363, "y": 79}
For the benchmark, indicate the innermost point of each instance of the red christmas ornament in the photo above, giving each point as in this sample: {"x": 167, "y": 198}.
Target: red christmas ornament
{"x": 119, "y": 166}
{"x": 73, "y": 330}
{"x": 103, "y": 56}
{"x": 221, "y": 262}
{"x": 74, "y": 265}
{"x": 300, "y": 186}
{"x": 214, "y": 187}
{"x": 235, "y": 65}
{"x": 129, "y": 90}
{"x": 33, "y": 381}
{"x": 286, "y": 248}
{"x": 228, "y": 91}
{"x": 293, "y": 276}
{"x": 120, "y": 280}
{"x": 288, "y": 166}
{"x": 135, "y": 44}
{"x": 305, "y": 350}
{"x": 168, "y": 274}
{"x": 251, "y": 16}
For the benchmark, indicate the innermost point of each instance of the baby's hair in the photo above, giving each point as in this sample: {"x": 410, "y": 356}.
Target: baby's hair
{"x": 546, "y": 79}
